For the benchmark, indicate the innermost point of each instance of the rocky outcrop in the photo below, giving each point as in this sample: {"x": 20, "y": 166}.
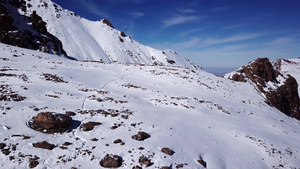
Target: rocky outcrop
{"x": 48, "y": 122}
{"x": 285, "y": 94}
{"x": 107, "y": 22}
{"x": 26, "y": 32}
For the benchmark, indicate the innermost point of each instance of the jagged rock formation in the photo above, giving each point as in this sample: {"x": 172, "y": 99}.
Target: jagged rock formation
{"x": 27, "y": 32}
{"x": 280, "y": 91}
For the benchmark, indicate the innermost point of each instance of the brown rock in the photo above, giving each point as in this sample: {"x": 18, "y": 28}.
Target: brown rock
{"x": 111, "y": 161}
{"x": 89, "y": 125}
{"x": 33, "y": 163}
{"x": 70, "y": 113}
{"x": 2, "y": 145}
{"x": 165, "y": 167}
{"x": 106, "y": 21}
{"x": 141, "y": 136}
{"x": 145, "y": 161}
{"x": 202, "y": 162}
{"x": 48, "y": 122}
{"x": 44, "y": 145}
{"x": 167, "y": 151}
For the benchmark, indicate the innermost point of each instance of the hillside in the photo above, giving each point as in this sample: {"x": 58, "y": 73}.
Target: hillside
{"x": 198, "y": 116}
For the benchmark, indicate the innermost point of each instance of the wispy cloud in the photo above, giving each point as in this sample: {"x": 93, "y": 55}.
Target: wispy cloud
{"x": 192, "y": 31}
{"x": 197, "y": 42}
{"x": 187, "y": 11}
{"x": 136, "y": 14}
{"x": 220, "y": 8}
{"x": 179, "y": 20}
{"x": 93, "y": 8}
{"x": 235, "y": 26}
{"x": 235, "y": 38}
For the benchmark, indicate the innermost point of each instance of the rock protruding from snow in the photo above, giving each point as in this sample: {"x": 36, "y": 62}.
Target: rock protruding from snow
{"x": 48, "y": 122}
{"x": 106, "y": 21}
{"x": 44, "y": 145}
{"x": 111, "y": 161}
{"x": 141, "y": 136}
{"x": 167, "y": 151}
{"x": 281, "y": 91}
{"x": 89, "y": 125}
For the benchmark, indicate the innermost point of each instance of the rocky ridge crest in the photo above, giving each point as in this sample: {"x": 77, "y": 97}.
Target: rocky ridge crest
{"x": 280, "y": 91}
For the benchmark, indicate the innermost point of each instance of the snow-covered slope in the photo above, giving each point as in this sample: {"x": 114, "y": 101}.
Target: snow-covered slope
{"x": 199, "y": 116}
{"x": 98, "y": 41}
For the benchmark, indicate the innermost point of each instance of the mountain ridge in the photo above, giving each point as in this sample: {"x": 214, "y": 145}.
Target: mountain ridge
{"x": 97, "y": 41}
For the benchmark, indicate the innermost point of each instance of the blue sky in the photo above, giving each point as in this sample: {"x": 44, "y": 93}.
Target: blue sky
{"x": 211, "y": 33}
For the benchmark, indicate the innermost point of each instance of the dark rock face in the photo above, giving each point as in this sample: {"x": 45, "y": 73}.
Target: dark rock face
{"x": 141, "y": 136}
{"x": 48, "y": 122}
{"x": 285, "y": 97}
{"x": 111, "y": 161}
{"x": 26, "y": 32}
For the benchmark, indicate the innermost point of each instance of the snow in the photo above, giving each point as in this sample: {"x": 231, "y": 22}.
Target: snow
{"x": 194, "y": 113}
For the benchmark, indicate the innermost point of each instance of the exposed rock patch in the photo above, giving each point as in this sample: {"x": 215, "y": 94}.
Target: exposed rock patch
{"x": 48, "y": 122}
{"x": 167, "y": 151}
{"x": 202, "y": 162}
{"x": 111, "y": 161}
{"x": 89, "y": 126}
{"x": 106, "y": 21}
{"x": 145, "y": 161}
{"x": 44, "y": 145}
{"x": 141, "y": 136}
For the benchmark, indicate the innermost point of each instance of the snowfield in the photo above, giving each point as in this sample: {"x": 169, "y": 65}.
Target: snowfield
{"x": 197, "y": 115}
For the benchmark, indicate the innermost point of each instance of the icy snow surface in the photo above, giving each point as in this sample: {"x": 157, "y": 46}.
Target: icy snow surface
{"x": 194, "y": 113}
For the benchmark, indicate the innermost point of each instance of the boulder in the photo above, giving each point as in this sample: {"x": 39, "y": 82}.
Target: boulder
{"x": 44, "y": 145}
{"x": 167, "y": 151}
{"x": 89, "y": 126}
{"x": 48, "y": 122}
{"x": 111, "y": 161}
{"x": 140, "y": 136}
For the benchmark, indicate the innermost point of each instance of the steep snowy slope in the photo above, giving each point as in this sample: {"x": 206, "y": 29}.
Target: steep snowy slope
{"x": 97, "y": 41}
{"x": 205, "y": 120}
